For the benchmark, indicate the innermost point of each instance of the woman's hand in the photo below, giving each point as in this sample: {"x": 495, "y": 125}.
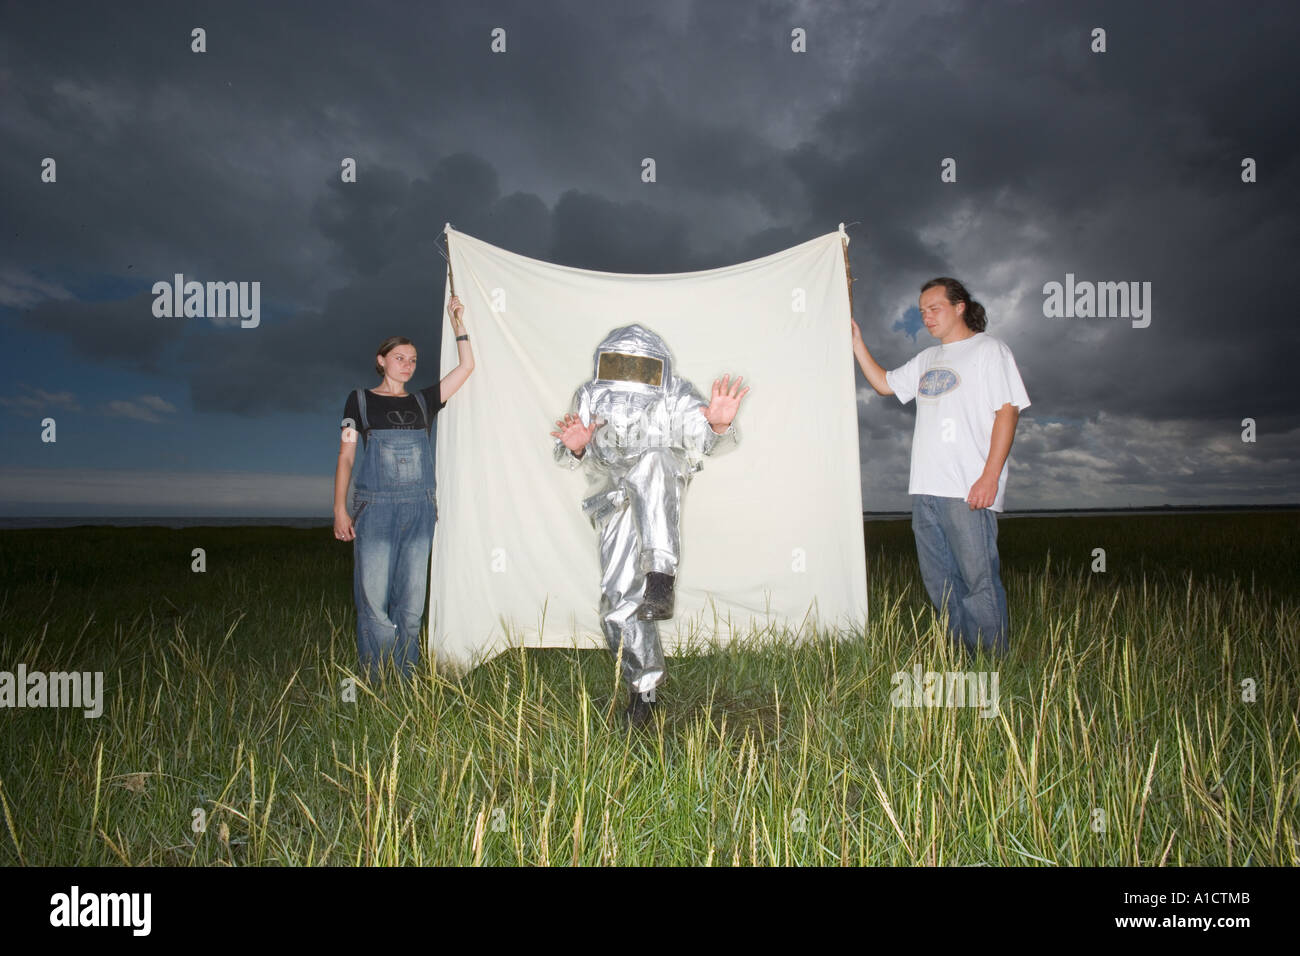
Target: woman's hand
{"x": 343, "y": 529}
{"x": 455, "y": 311}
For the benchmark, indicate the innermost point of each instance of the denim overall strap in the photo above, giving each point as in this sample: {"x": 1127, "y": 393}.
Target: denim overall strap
{"x": 433, "y": 439}
{"x": 361, "y": 405}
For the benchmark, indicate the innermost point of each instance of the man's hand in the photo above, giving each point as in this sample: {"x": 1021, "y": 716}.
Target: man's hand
{"x": 983, "y": 493}
{"x": 870, "y": 367}
{"x": 724, "y": 403}
{"x": 574, "y": 434}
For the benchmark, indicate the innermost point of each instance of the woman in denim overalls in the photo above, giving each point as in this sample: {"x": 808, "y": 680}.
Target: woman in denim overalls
{"x": 393, "y": 505}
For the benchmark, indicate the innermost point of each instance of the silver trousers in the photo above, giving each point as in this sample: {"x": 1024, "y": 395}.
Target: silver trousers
{"x": 639, "y": 521}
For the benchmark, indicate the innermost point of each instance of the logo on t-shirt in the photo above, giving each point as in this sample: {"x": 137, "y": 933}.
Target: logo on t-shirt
{"x": 938, "y": 381}
{"x": 403, "y": 419}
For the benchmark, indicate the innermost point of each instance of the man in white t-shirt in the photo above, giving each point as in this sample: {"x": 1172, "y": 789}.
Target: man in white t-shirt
{"x": 968, "y": 399}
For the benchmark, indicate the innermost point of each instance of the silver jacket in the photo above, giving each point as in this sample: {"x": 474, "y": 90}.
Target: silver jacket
{"x": 638, "y": 415}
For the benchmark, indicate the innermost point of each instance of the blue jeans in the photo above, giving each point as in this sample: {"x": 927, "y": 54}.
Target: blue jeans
{"x": 390, "y": 579}
{"x": 957, "y": 549}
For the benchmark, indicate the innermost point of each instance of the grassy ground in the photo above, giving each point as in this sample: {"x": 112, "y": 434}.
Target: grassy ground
{"x": 1121, "y": 735}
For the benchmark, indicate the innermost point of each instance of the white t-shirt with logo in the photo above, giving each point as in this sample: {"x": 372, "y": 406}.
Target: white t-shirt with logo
{"x": 958, "y": 390}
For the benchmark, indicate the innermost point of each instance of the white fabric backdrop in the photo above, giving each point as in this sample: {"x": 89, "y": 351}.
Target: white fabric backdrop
{"x": 771, "y": 531}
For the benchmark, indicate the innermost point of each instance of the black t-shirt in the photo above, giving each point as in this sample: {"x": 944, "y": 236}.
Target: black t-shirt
{"x": 392, "y": 411}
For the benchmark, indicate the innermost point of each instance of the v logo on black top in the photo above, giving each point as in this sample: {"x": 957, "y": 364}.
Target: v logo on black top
{"x": 405, "y": 419}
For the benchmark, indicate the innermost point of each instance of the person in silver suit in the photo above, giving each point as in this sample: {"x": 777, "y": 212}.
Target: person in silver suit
{"x": 641, "y": 432}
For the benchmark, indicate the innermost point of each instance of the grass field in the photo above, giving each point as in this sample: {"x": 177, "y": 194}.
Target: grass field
{"x": 1121, "y": 735}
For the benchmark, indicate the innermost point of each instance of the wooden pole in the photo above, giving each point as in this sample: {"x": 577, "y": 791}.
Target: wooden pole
{"x": 848, "y": 272}
{"x": 451, "y": 276}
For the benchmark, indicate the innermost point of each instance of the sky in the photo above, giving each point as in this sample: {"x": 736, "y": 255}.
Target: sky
{"x": 1122, "y": 165}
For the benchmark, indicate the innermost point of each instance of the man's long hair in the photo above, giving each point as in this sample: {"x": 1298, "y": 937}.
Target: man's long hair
{"x": 973, "y": 312}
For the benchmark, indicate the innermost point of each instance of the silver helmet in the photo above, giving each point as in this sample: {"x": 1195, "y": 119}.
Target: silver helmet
{"x": 633, "y": 356}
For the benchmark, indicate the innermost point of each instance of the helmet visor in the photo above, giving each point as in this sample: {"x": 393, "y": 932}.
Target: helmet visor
{"x": 624, "y": 367}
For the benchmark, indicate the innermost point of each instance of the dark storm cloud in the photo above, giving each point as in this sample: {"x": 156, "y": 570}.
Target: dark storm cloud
{"x": 1115, "y": 167}
{"x": 383, "y": 229}
{"x": 611, "y": 237}
{"x": 1072, "y": 171}
{"x": 122, "y": 332}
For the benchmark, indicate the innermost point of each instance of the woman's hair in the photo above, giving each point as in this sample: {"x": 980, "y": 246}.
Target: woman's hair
{"x": 390, "y": 343}
{"x": 974, "y": 315}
